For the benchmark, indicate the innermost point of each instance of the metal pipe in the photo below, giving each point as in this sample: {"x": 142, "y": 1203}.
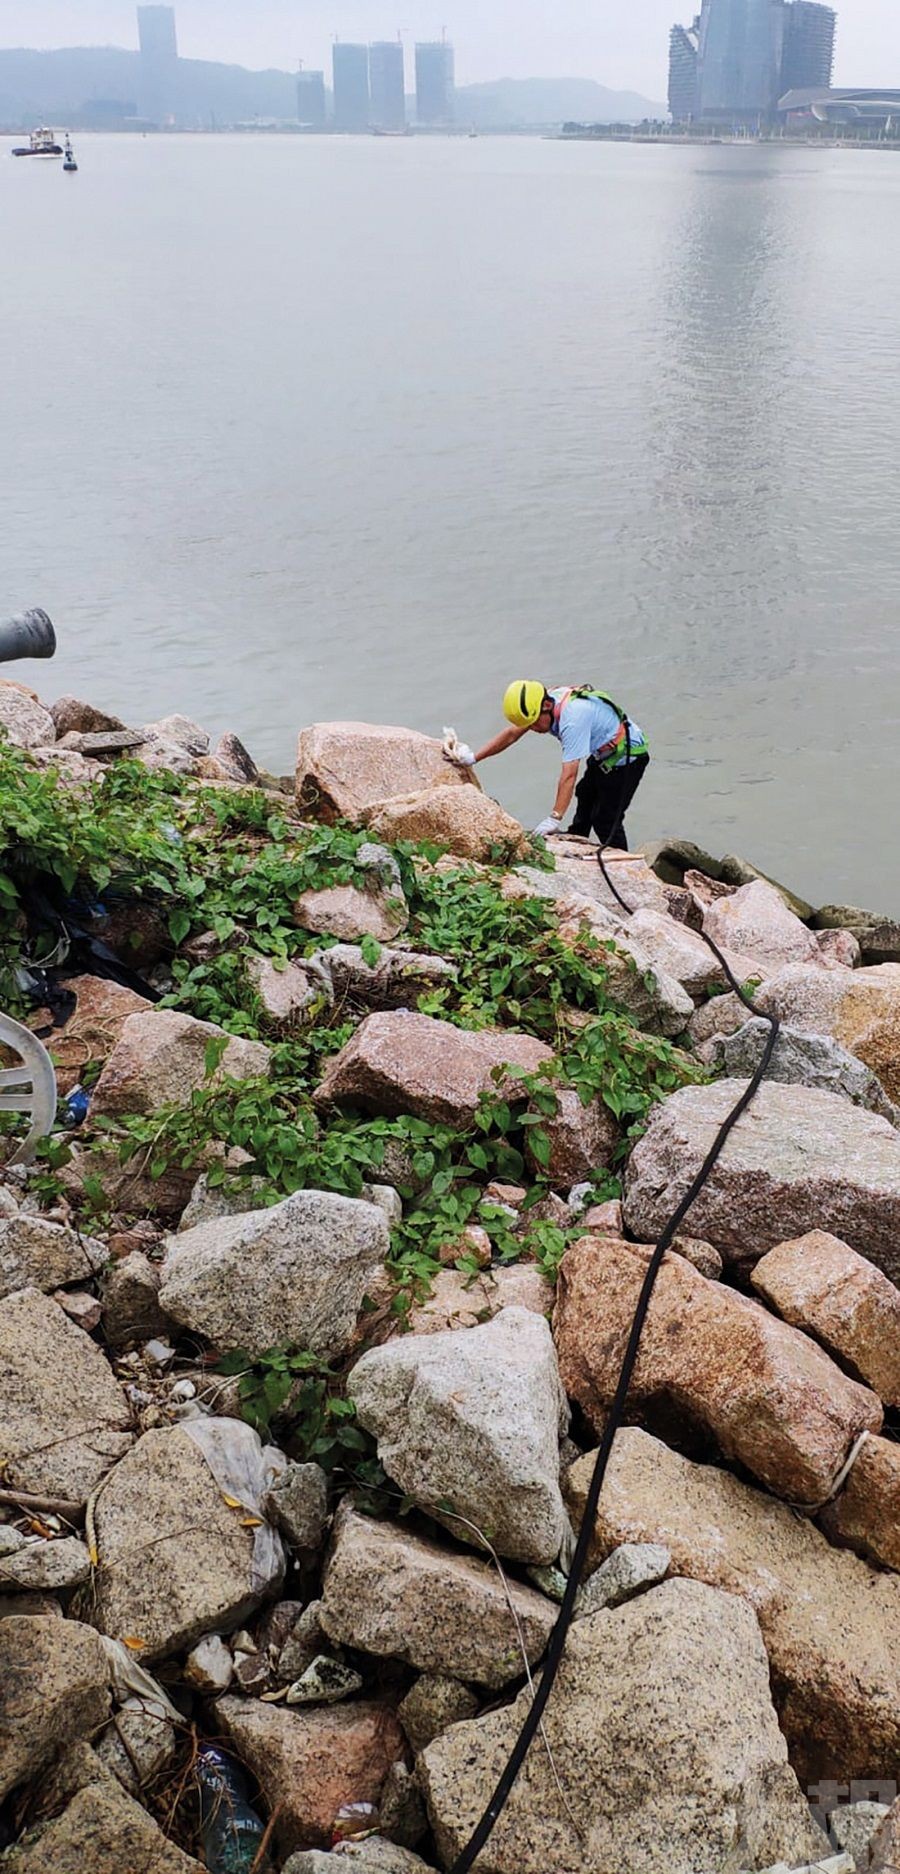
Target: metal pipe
{"x": 29, "y": 634}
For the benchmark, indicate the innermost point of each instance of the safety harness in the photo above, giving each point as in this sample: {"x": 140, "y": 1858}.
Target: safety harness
{"x": 609, "y": 754}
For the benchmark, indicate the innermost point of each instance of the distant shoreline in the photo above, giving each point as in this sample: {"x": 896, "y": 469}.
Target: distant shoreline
{"x": 547, "y": 132}
{"x": 703, "y": 142}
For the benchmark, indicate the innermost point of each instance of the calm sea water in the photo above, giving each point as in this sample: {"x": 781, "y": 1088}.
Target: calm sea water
{"x": 297, "y": 429}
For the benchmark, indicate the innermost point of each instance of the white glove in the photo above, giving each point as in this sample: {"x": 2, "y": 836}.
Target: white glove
{"x": 551, "y": 825}
{"x": 456, "y": 751}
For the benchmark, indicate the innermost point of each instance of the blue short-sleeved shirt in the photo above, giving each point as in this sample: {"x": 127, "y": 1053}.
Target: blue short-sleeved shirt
{"x": 586, "y": 724}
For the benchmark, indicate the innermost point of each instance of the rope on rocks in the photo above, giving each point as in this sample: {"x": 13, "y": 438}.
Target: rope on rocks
{"x": 556, "y": 1644}
{"x": 812, "y": 1509}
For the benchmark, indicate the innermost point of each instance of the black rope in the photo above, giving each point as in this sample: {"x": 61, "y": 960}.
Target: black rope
{"x": 556, "y": 1645}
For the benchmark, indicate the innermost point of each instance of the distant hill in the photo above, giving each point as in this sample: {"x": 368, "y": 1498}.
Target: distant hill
{"x": 515, "y": 103}
{"x": 62, "y": 87}
{"x": 58, "y": 85}
{"x": 37, "y": 85}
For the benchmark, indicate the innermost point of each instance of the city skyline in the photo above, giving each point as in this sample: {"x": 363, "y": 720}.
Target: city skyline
{"x": 627, "y": 51}
{"x": 738, "y": 58}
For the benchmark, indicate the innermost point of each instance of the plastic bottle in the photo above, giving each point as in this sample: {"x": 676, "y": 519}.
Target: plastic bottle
{"x": 354, "y": 1822}
{"x": 77, "y": 1106}
{"x": 232, "y": 1831}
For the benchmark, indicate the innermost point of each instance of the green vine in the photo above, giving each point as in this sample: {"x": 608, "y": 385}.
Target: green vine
{"x": 230, "y": 865}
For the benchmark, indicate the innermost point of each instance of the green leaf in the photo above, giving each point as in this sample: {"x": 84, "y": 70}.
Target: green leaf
{"x": 179, "y": 925}
{"x": 509, "y": 1164}
{"x": 232, "y": 1363}
{"x": 94, "y": 1191}
{"x": 214, "y": 1051}
{"x": 371, "y": 951}
{"x": 276, "y": 1388}
{"x": 352, "y": 1439}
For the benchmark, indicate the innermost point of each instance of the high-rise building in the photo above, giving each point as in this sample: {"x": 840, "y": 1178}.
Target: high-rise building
{"x": 387, "y": 86}
{"x": 350, "y": 66}
{"x": 808, "y": 46}
{"x": 741, "y": 56}
{"x": 740, "y": 60}
{"x": 158, "y": 99}
{"x": 311, "y": 100}
{"x": 435, "y": 82}
{"x": 684, "y": 73}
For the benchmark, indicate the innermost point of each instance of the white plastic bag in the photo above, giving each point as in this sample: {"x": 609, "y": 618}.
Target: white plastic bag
{"x": 245, "y": 1470}
{"x": 131, "y": 1681}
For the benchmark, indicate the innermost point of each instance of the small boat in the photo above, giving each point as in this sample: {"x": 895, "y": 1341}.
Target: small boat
{"x": 70, "y": 166}
{"x": 41, "y": 143}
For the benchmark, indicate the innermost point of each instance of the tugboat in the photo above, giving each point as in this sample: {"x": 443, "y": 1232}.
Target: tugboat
{"x": 41, "y": 143}
{"x": 70, "y": 166}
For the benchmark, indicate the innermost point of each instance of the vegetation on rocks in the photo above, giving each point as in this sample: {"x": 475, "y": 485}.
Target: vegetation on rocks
{"x": 294, "y": 1319}
{"x": 229, "y": 865}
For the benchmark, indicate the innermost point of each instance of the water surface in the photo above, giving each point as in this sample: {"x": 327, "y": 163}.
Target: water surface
{"x": 303, "y": 428}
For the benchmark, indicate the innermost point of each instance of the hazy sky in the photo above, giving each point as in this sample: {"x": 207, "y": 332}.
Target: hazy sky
{"x": 620, "y": 42}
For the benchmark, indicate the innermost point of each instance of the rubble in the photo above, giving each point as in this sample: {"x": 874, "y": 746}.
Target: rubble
{"x": 374, "y": 908}
{"x": 65, "y": 1420}
{"x": 177, "y": 1552}
{"x": 467, "y": 822}
{"x": 347, "y": 769}
{"x": 392, "y": 1593}
{"x": 54, "y": 1689}
{"x": 94, "y": 1028}
{"x": 678, "y": 1676}
{"x": 434, "y": 1703}
{"x": 755, "y": 921}
{"x": 831, "y": 1625}
{"x": 290, "y": 1201}
{"x": 298, "y": 1503}
{"x": 865, "y": 1514}
{"x": 468, "y": 1425}
{"x": 310, "y": 1762}
{"x": 711, "y": 1360}
{"x": 295, "y": 1274}
{"x": 163, "y": 1057}
{"x": 628, "y": 1571}
{"x": 23, "y": 719}
{"x": 104, "y": 1830}
{"x": 582, "y": 1139}
{"x": 822, "y": 1285}
{"x": 402, "y": 1062}
{"x": 798, "y": 1160}
{"x": 35, "y": 1253}
{"x": 799, "y": 1059}
{"x": 859, "y": 1008}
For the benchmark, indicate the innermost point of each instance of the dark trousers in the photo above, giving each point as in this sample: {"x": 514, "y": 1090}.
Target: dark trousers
{"x": 601, "y": 800}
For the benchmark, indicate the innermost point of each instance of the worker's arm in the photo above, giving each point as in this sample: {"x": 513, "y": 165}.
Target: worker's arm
{"x": 505, "y": 739}
{"x": 565, "y": 790}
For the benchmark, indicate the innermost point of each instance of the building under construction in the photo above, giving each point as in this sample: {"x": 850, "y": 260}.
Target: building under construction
{"x": 808, "y": 46}
{"x": 435, "y": 83}
{"x": 684, "y": 73}
{"x": 387, "y": 88}
{"x": 311, "y": 108}
{"x": 350, "y": 73}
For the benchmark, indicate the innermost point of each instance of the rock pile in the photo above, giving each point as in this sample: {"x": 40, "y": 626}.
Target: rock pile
{"x": 306, "y": 1351}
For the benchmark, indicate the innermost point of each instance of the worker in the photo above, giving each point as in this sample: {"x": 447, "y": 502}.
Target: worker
{"x": 590, "y": 728}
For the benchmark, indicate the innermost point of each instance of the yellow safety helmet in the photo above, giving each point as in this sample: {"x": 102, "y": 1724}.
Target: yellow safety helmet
{"x": 523, "y": 703}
